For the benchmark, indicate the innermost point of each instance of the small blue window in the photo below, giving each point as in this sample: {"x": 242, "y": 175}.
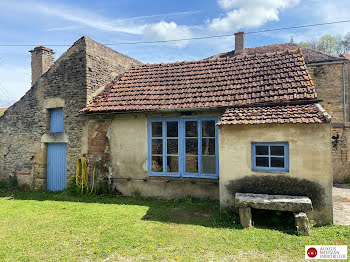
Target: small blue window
{"x": 270, "y": 156}
{"x": 56, "y": 120}
{"x": 183, "y": 147}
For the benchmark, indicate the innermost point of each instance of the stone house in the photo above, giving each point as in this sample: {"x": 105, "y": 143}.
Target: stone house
{"x": 59, "y": 89}
{"x": 331, "y": 77}
{"x": 206, "y": 129}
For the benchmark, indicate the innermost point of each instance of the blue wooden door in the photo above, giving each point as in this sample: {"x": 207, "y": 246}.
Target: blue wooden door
{"x": 56, "y": 166}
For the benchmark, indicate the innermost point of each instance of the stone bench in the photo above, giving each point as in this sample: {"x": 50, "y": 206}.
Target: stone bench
{"x": 299, "y": 205}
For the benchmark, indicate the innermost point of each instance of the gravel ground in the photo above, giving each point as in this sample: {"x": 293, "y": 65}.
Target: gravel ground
{"x": 341, "y": 205}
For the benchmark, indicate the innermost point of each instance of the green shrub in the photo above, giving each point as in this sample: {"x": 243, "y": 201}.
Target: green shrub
{"x": 3, "y": 184}
{"x": 72, "y": 187}
{"x": 136, "y": 193}
{"x": 346, "y": 180}
{"x": 13, "y": 181}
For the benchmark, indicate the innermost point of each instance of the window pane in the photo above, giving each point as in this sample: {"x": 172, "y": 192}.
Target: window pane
{"x": 157, "y": 146}
{"x": 157, "y": 129}
{"x": 277, "y": 150}
{"x": 191, "y": 146}
{"x": 262, "y": 161}
{"x": 157, "y": 163}
{"x": 261, "y": 150}
{"x": 208, "y": 146}
{"x": 172, "y": 164}
{"x": 172, "y": 129}
{"x": 191, "y": 164}
{"x": 277, "y": 162}
{"x": 172, "y": 146}
{"x": 209, "y": 164}
{"x": 191, "y": 129}
{"x": 208, "y": 128}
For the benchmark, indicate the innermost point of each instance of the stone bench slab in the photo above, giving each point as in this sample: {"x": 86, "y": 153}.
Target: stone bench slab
{"x": 273, "y": 202}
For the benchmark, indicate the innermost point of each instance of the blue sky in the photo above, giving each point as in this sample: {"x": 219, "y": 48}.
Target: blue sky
{"x": 54, "y": 22}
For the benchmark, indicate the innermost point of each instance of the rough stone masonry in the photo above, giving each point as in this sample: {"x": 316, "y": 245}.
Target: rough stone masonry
{"x": 71, "y": 82}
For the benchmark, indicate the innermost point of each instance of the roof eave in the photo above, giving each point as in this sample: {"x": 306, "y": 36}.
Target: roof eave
{"x": 280, "y": 103}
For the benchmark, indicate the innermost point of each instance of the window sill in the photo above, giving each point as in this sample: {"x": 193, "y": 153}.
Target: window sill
{"x": 271, "y": 170}
{"x": 207, "y": 176}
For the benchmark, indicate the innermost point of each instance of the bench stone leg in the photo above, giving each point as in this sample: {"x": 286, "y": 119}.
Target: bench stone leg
{"x": 245, "y": 215}
{"x": 302, "y": 223}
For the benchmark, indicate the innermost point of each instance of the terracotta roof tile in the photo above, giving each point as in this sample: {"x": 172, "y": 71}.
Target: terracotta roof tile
{"x": 290, "y": 114}
{"x": 346, "y": 56}
{"x": 244, "y": 80}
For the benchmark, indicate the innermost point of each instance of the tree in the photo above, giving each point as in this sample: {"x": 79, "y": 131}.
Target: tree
{"x": 339, "y": 47}
{"x": 333, "y": 45}
{"x": 327, "y": 44}
{"x": 313, "y": 43}
{"x": 304, "y": 44}
{"x": 346, "y": 43}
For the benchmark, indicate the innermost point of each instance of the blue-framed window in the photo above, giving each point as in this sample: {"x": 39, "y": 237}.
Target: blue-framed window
{"x": 183, "y": 147}
{"x": 272, "y": 156}
{"x": 56, "y": 120}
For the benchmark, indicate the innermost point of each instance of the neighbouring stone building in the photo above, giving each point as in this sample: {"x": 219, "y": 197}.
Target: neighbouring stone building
{"x": 331, "y": 76}
{"x": 69, "y": 83}
{"x": 206, "y": 129}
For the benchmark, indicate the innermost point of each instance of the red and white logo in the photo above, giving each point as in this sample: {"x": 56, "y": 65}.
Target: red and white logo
{"x": 311, "y": 252}
{"x": 326, "y": 252}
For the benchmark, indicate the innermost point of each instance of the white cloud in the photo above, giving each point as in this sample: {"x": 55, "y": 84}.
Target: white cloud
{"x": 232, "y": 4}
{"x": 169, "y": 31}
{"x": 88, "y": 19}
{"x": 248, "y": 13}
{"x": 80, "y": 18}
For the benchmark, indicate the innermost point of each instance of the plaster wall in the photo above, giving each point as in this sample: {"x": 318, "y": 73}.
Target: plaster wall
{"x": 129, "y": 162}
{"x": 309, "y": 159}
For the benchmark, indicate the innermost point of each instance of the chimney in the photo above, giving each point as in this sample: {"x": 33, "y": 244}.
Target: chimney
{"x": 42, "y": 60}
{"x": 239, "y": 43}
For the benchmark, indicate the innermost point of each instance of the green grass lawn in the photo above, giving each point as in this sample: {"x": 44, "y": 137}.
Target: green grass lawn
{"x": 39, "y": 226}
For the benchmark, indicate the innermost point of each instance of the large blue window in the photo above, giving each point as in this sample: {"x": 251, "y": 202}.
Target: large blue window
{"x": 183, "y": 147}
{"x": 270, "y": 156}
{"x": 56, "y": 120}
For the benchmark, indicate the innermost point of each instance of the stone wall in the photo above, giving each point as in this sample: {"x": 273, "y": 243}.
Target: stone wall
{"x": 328, "y": 80}
{"x": 27, "y": 121}
{"x": 68, "y": 83}
{"x": 98, "y": 144}
{"x": 104, "y": 65}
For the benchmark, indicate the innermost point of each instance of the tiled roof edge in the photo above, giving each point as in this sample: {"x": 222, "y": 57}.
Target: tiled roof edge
{"x": 87, "y": 110}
